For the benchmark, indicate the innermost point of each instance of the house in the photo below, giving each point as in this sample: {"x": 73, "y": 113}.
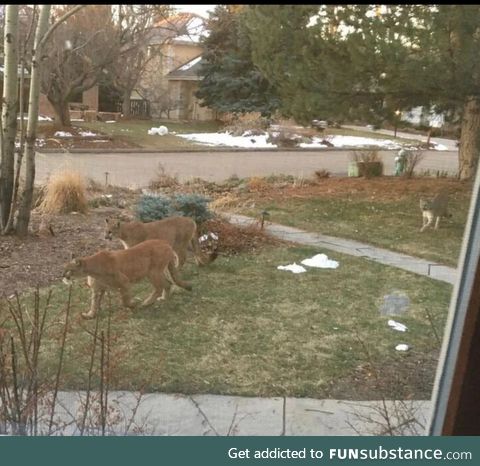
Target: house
{"x": 424, "y": 116}
{"x": 171, "y": 78}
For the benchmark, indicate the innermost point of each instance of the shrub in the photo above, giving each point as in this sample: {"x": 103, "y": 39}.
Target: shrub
{"x": 157, "y": 207}
{"x": 65, "y": 192}
{"x": 163, "y": 180}
{"x": 413, "y": 159}
{"x": 369, "y": 163}
{"x": 193, "y": 205}
{"x": 366, "y": 156}
{"x": 151, "y": 208}
{"x": 320, "y": 174}
{"x": 257, "y": 183}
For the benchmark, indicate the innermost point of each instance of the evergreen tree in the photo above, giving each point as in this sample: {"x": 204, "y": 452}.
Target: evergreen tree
{"x": 368, "y": 61}
{"x": 231, "y": 82}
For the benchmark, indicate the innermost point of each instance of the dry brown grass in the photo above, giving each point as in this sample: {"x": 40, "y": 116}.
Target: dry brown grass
{"x": 163, "y": 180}
{"x": 257, "y": 183}
{"x": 65, "y": 192}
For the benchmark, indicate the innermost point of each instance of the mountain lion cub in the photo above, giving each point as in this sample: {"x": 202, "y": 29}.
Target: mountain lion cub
{"x": 434, "y": 209}
{"x": 153, "y": 259}
{"x": 178, "y": 232}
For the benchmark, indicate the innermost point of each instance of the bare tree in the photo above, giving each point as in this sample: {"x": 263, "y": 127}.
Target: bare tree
{"x": 9, "y": 111}
{"x": 154, "y": 89}
{"x": 78, "y": 54}
{"x": 135, "y": 26}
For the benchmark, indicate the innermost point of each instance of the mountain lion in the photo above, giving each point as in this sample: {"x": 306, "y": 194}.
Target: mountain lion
{"x": 178, "y": 232}
{"x": 434, "y": 209}
{"x": 152, "y": 259}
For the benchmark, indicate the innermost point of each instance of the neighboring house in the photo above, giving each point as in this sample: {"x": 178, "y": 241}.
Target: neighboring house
{"x": 171, "y": 78}
{"x": 422, "y": 116}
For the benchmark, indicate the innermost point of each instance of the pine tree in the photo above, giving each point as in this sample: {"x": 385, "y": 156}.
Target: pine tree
{"x": 368, "y": 61}
{"x": 231, "y": 82}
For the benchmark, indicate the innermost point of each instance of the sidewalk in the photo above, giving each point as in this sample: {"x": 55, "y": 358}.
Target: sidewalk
{"x": 354, "y": 248}
{"x": 217, "y": 415}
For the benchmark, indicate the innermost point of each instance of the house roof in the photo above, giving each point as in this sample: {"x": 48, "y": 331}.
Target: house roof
{"x": 189, "y": 71}
{"x": 180, "y": 28}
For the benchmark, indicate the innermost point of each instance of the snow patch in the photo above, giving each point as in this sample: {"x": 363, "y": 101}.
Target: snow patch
{"x": 87, "y": 134}
{"x": 226, "y": 139}
{"x": 295, "y": 268}
{"x": 320, "y": 261}
{"x": 397, "y": 326}
{"x": 402, "y": 347}
{"x": 111, "y": 121}
{"x": 63, "y": 134}
{"x": 248, "y": 141}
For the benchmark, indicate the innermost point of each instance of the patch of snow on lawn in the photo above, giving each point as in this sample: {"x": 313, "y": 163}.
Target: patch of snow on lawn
{"x": 321, "y": 261}
{"x": 402, "y": 347}
{"x": 353, "y": 141}
{"x": 87, "y": 134}
{"x": 249, "y": 141}
{"x": 226, "y": 139}
{"x": 397, "y": 326}
{"x": 295, "y": 268}
{"x": 63, "y": 134}
{"x": 111, "y": 121}
{"x": 439, "y": 146}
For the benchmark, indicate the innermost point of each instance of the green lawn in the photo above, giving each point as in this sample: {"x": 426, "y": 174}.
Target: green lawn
{"x": 389, "y": 223}
{"x": 135, "y": 131}
{"x": 250, "y": 329}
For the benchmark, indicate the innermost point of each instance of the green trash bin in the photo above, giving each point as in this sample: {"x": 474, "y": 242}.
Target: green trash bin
{"x": 353, "y": 169}
{"x": 401, "y": 162}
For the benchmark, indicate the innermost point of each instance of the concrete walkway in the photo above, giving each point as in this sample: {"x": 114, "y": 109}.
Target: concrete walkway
{"x": 354, "y": 248}
{"x": 218, "y": 415}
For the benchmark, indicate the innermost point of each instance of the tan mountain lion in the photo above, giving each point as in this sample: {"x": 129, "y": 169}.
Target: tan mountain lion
{"x": 179, "y": 232}
{"x": 152, "y": 259}
{"x": 434, "y": 209}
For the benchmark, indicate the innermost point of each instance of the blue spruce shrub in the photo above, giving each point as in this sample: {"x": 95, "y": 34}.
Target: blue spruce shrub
{"x": 193, "y": 205}
{"x": 151, "y": 208}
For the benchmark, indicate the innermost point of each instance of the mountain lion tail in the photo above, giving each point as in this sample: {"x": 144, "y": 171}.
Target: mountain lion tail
{"x": 172, "y": 275}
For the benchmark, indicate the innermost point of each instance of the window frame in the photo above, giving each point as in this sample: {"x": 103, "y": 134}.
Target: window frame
{"x": 456, "y": 394}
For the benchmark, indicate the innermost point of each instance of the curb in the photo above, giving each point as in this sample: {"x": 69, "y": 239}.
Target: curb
{"x": 202, "y": 150}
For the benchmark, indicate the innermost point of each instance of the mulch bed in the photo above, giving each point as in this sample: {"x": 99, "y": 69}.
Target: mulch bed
{"x": 38, "y": 260}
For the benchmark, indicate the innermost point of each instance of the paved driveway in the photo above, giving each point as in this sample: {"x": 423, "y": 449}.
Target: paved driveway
{"x": 137, "y": 169}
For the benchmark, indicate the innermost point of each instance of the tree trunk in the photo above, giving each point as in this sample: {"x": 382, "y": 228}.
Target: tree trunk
{"x": 126, "y": 104}
{"x": 33, "y": 107}
{"x": 62, "y": 113}
{"x": 9, "y": 113}
{"x": 469, "y": 139}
